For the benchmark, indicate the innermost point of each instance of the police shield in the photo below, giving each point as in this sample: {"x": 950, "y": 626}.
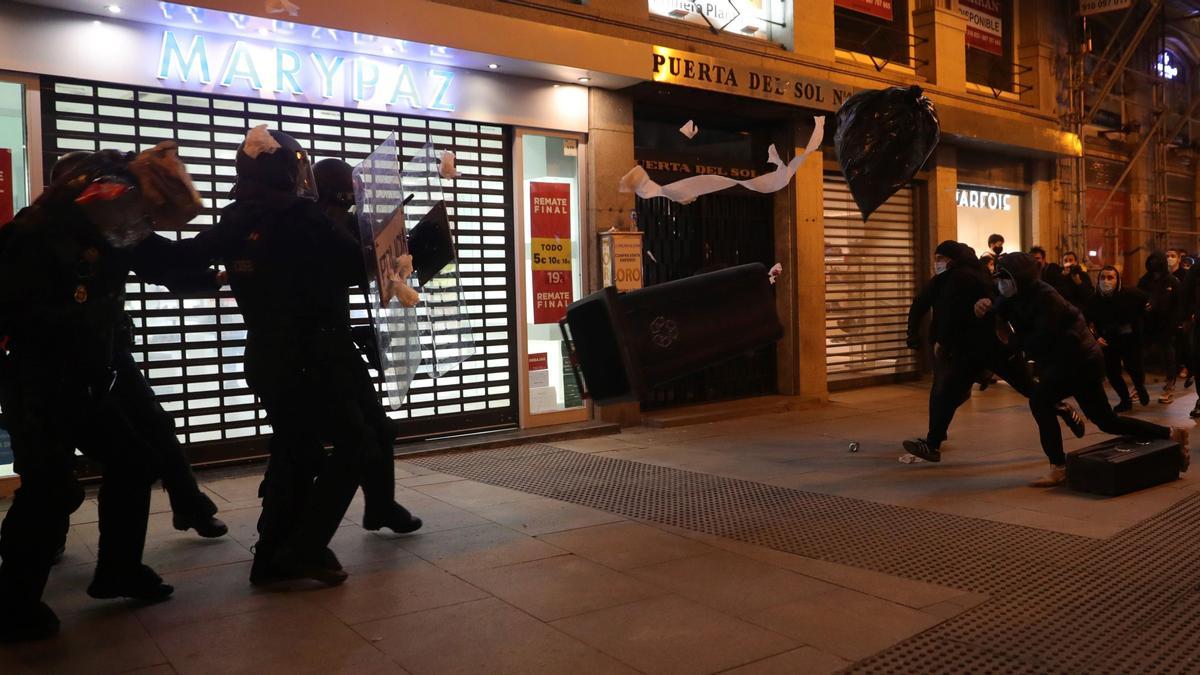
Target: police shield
{"x": 379, "y": 198}
{"x": 444, "y": 306}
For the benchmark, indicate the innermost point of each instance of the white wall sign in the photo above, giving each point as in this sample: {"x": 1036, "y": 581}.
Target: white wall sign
{"x": 744, "y": 17}
{"x": 983, "y": 199}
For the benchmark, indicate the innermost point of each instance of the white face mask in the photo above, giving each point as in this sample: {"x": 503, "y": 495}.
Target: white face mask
{"x": 1007, "y": 287}
{"x": 1107, "y": 287}
{"x": 939, "y": 267}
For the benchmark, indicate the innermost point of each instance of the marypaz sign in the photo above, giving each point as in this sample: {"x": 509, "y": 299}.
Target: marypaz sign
{"x": 702, "y": 72}
{"x": 1090, "y": 7}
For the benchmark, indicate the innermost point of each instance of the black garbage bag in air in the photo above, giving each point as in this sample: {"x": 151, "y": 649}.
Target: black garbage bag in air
{"x": 883, "y": 138}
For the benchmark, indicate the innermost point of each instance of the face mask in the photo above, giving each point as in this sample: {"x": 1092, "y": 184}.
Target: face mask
{"x": 1107, "y": 287}
{"x": 939, "y": 267}
{"x": 1007, "y": 287}
{"x": 998, "y": 249}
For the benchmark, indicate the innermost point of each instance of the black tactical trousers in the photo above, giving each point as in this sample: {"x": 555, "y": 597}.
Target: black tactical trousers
{"x": 51, "y": 413}
{"x": 310, "y": 391}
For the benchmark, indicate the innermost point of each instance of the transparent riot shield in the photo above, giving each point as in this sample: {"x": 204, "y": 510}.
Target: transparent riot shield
{"x": 443, "y": 299}
{"x": 379, "y": 198}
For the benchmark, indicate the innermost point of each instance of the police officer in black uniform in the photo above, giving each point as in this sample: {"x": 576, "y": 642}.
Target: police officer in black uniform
{"x": 335, "y": 198}
{"x": 290, "y": 266}
{"x": 68, "y": 380}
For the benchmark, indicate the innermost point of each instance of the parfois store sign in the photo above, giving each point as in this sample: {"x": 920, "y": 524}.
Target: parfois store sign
{"x": 985, "y": 30}
{"x": 984, "y": 199}
{"x": 215, "y": 63}
{"x": 550, "y": 249}
{"x": 880, "y": 9}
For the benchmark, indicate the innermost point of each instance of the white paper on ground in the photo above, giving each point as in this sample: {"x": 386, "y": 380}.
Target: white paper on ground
{"x": 687, "y": 190}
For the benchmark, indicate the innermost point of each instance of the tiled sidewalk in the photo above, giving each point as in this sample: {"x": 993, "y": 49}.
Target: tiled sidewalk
{"x": 502, "y": 581}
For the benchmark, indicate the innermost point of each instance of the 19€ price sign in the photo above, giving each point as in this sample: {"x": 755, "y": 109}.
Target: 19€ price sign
{"x": 550, "y": 249}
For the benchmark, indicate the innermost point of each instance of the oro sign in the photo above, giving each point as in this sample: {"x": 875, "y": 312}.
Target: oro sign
{"x": 550, "y": 249}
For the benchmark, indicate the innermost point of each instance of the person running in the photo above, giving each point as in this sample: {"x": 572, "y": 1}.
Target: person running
{"x": 1034, "y": 318}
{"x": 964, "y": 348}
{"x": 1115, "y": 315}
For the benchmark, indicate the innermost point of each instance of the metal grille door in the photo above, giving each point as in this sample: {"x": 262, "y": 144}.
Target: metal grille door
{"x": 191, "y": 349}
{"x": 870, "y": 281}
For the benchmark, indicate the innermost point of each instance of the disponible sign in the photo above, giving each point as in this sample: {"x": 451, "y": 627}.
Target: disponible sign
{"x": 880, "y": 9}
{"x": 550, "y": 249}
{"x": 702, "y": 72}
{"x": 214, "y": 63}
{"x": 985, "y": 30}
{"x": 1090, "y": 7}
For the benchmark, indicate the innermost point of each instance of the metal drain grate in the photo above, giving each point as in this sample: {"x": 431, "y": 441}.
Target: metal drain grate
{"x": 1060, "y": 603}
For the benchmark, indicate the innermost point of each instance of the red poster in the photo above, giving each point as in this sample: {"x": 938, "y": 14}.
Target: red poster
{"x": 539, "y": 361}
{"x": 550, "y": 249}
{"x": 6, "y": 186}
{"x": 881, "y": 9}
{"x": 985, "y": 29}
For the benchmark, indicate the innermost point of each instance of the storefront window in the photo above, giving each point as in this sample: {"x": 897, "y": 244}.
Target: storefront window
{"x": 553, "y": 279}
{"x": 877, "y": 28}
{"x": 983, "y": 212}
{"x": 14, "y": 195}
{"x": 989, "y": 41}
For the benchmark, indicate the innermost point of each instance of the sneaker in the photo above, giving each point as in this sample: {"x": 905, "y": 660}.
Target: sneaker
{"x": 1143, "y": 396}
{"x": 263, "y": 572}
{"x": 398, "y": 520}
{"x": 919, "y": 447}
{"x": 37, "y": 622}
{"x": 1056, "y": 477}
{"x": 1166, "y": 397}
{"x": 1182, "y": 436}
{"x": 1123, "y": 407}
{"x": 138, "y": 583}
{"x": 202, "y": 519}
{"x": 1071, "y": 417}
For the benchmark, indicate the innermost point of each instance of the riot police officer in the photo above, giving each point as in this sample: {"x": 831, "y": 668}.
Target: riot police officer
{"x": 69, "y": 381}
{"x": 290, "y": 266}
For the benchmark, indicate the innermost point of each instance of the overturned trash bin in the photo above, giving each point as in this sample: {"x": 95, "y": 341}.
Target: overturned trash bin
{"x": 626, "y": 344}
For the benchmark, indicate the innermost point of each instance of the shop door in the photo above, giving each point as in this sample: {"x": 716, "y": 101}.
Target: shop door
{"x": 870, "y": 281}
{"x": 550, "y": 184}
{"x": 191, "y": 348}
{"x": 716, "y": 231}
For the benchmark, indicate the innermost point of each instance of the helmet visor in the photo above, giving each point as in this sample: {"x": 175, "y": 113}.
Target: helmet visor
{"x": 306, "y": 182}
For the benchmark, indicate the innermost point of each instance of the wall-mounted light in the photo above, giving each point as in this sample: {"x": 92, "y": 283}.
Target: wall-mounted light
{"x": 113, "y": 9}
{"x": 585, "y": 80}
{"x": 493, "y": 66}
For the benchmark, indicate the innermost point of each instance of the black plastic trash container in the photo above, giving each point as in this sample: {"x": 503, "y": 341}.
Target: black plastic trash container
{"x": 628, "y": 343}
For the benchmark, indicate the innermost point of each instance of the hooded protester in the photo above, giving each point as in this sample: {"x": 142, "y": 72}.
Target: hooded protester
{"x": 1074, "y": 283}
{"x": 1163, "y": 322}
{"x": 1115, "y": 315}
{"x": 1052, "y": 333}
{"x": 964, "y": 347}
{"x": 68, "y": 379}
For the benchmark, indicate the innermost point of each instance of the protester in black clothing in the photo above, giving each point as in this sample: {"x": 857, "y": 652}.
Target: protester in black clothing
{"x": 1072, "y": 281}
{"x": 989, "y": 261}
{"x": 1183, "y": 336}
{"x": 335, "y": 197}
{"x": 1163, "y": 321}
{"x": 964, "y": 348}
{"x": 1051, "y": 332}
{"x": 1115, "y": 315}
{"x": 1189, "y": 296}
{"x": 68, "y": 380}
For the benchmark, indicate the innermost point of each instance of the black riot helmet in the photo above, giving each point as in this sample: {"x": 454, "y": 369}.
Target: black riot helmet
{"x": 274, "y": 160}
{"x": 68, "y": 162}
{"x": 335, "y": 183}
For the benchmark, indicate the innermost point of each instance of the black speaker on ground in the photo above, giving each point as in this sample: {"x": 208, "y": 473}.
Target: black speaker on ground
{"x": 626, "y": 344}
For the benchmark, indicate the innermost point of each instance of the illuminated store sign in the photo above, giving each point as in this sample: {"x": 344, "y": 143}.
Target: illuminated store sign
{"x": 216, "y": 63}
{"x": 982, "y": 199}
{"x": 752, "y": 18}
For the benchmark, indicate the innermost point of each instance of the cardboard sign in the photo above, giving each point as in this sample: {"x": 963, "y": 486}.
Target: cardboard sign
{"x": 6, "y": 186}
{"x": 550, "y": 250}
{"x": 880, "y": 9}
{"x": 621, "y": 259}
{"x": 985, "y": 29}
